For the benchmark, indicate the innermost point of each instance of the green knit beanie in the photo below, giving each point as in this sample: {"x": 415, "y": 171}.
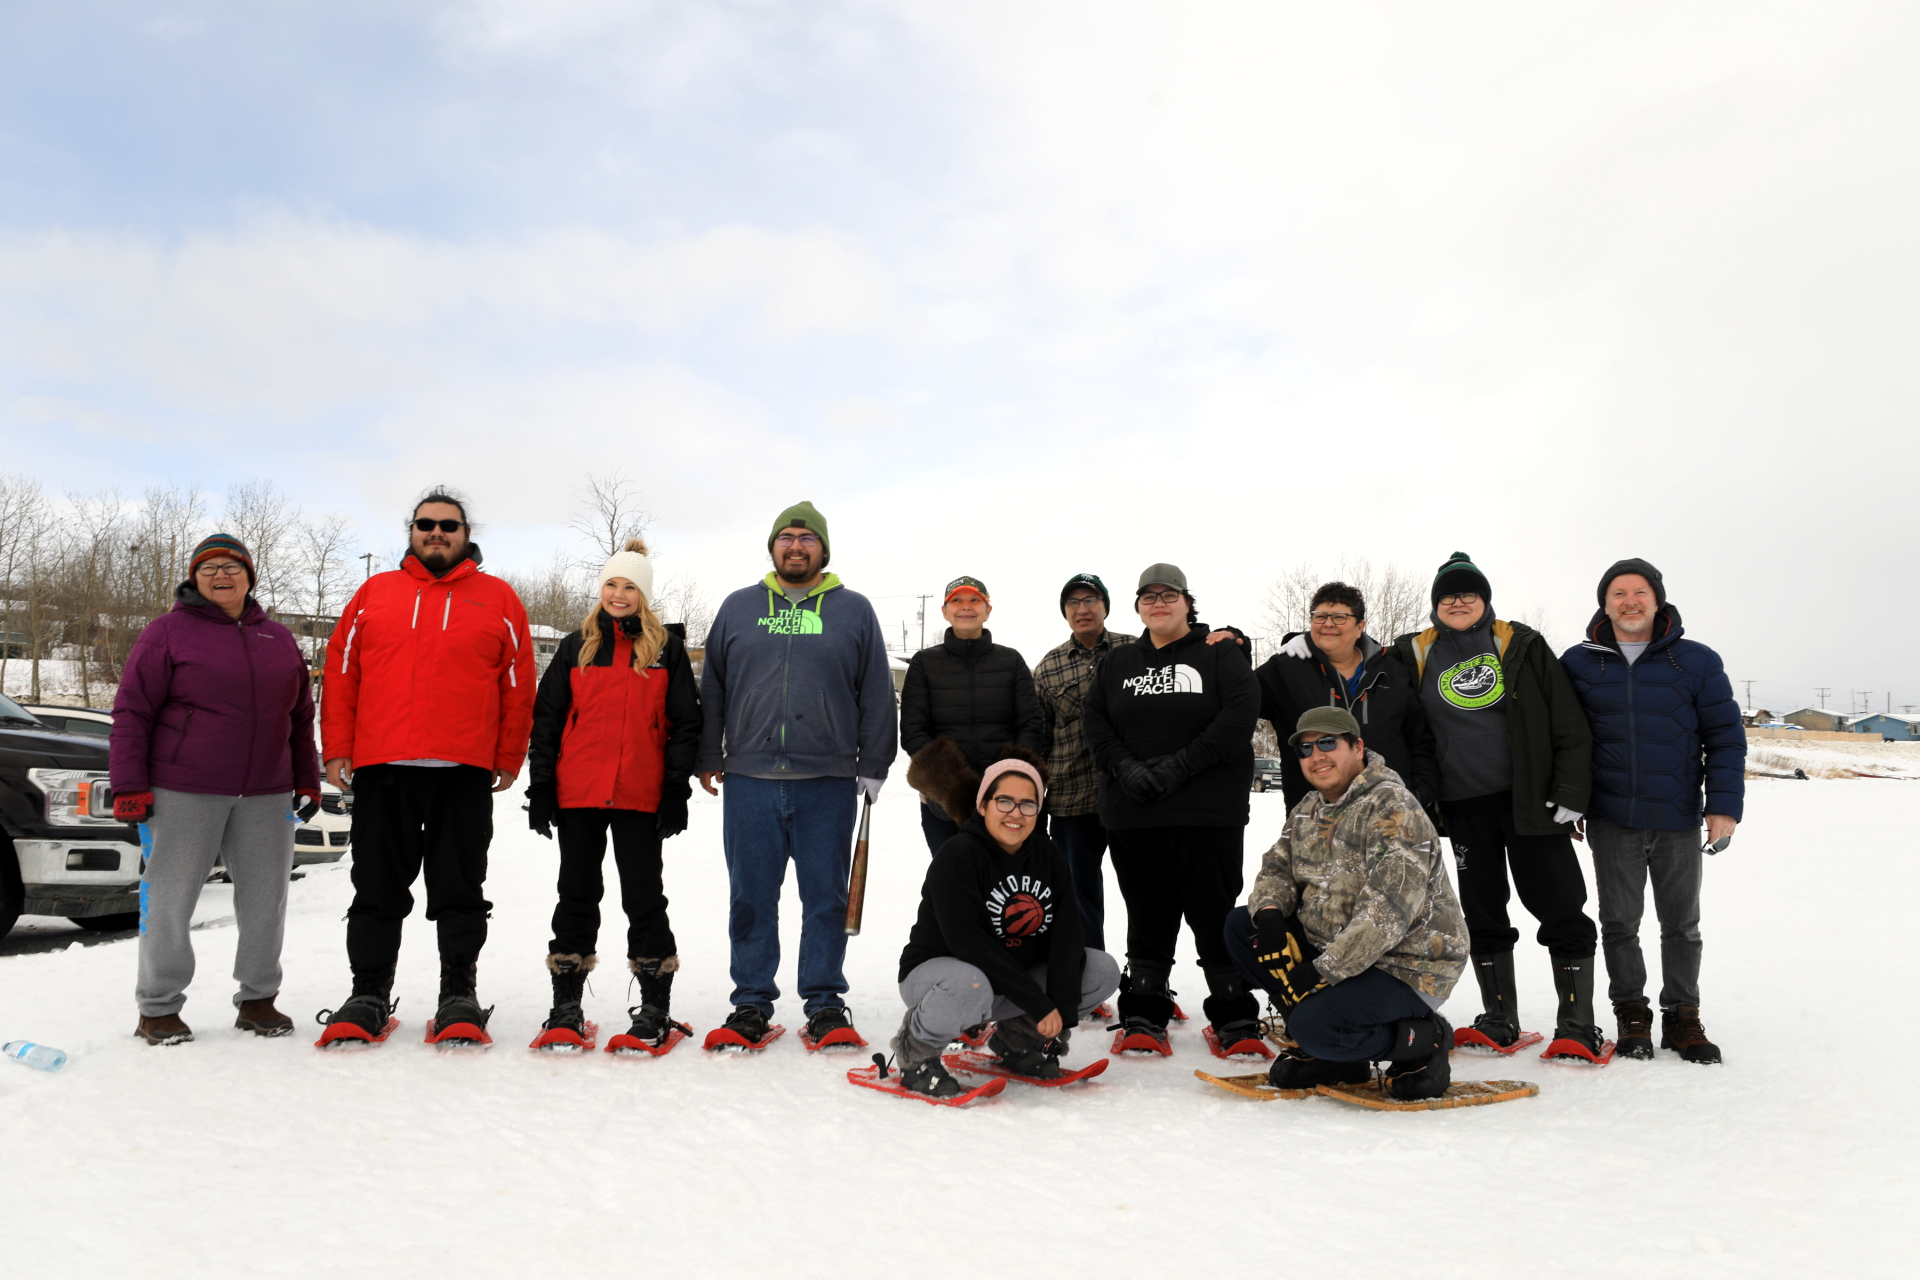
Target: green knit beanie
{"x": 803, "y": 515}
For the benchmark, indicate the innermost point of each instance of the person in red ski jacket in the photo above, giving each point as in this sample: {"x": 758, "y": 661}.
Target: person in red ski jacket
{"x": 616, "y": 726}
{"x": 425, "y": 709}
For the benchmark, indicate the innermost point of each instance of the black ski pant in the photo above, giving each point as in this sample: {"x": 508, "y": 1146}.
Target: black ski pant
{"x": 1169, "y": 872}
{"x": 1083, "y": 838}
{"x": 1545, "y": 871}
{"x": 1350, "y": 1021}
{"x": 636, "y": 855}
{"x": 406, "y": 818}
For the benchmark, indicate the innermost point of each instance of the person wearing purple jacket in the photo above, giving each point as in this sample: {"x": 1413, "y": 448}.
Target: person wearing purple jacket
{"x": 212, "y": 739}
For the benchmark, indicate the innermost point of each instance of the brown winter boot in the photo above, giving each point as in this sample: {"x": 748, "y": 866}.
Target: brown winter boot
{"x": 167, "y": 1029}
{"x": 1680, "y": 1030}
{"x": 261, "y": 1018}
{"x": 1635, "y": 1037}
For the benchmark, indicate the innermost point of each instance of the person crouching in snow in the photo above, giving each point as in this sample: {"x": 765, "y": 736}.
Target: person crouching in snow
{"x": 1352, "y": 926}
{"x": 615, "y": 729}
{"x": 998, "y": 935}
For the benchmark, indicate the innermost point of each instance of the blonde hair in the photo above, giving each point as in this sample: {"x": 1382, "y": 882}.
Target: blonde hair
{"x": 646, "y": 646}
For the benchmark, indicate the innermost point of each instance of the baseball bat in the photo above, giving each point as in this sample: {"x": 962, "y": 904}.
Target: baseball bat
{"x": 857, "y": 882}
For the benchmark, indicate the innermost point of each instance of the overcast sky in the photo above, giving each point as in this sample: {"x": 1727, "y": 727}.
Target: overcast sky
{"x": 1016, "y": 290}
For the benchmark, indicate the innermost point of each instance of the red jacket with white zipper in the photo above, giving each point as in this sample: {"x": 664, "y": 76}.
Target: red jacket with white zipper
{"x": 426, "y": 668}
{"x": 608, "y": 737}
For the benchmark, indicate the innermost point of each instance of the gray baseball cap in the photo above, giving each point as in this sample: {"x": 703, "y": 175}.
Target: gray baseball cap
{"x": 1315, "y": 721}
{"x": 1169, "y": 574}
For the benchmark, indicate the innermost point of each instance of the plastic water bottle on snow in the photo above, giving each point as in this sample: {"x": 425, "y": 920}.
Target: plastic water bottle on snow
{"x": 41, "y": 1057}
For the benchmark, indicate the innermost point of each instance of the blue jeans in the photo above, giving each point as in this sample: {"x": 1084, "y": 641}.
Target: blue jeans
{"x": 764, "y": 823}
{"x": 1350, "y": 1021}
{"x": 936, "y": 826}
{"x": 1084, "y": 840}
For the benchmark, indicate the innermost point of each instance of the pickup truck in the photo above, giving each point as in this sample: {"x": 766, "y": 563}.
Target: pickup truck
{"x": 62, "y": 852}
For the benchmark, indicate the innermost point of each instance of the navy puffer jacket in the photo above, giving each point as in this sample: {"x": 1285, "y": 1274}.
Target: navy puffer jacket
{"x": 1662, "y": 727}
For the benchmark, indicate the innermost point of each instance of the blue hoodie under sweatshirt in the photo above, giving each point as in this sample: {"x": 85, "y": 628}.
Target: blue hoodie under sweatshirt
{"x": 797, "y": 688}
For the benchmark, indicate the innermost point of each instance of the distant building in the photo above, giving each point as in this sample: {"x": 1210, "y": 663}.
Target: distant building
{"x": 1762, "y": 716}
{"x": 1818, "y": 719}
{"x": 546, "y": 642}
{"x": 1890, "y": 726}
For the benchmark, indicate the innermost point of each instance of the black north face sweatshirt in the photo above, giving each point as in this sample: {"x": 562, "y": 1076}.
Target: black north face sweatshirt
{"x": 1003, "y": 913}
{"x": 1192, "y": 696}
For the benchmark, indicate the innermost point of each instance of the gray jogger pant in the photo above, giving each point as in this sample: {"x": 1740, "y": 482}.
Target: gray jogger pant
{"x": 253, "y": 838}
{"x": 948, "y": 995}
{"x": 1624, "y": 859}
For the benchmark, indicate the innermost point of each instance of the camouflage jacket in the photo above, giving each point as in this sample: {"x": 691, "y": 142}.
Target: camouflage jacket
{"x": 1367, "y": 880}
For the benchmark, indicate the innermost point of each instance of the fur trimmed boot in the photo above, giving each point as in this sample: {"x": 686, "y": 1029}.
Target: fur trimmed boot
{"x": 652, "y": 1020}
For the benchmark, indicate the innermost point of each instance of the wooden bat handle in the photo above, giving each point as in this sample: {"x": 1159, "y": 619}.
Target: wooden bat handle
{"x": 857, "y": 883}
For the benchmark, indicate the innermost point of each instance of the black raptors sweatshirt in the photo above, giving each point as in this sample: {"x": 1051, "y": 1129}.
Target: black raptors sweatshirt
{"x": 1190, "y": 696}
{"x": 1003, "y": 913}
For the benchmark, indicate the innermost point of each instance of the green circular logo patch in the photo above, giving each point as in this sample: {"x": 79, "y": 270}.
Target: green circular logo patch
{"x": 1474, "y": 684}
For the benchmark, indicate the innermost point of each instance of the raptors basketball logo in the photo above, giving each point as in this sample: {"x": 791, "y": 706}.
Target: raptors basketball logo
{"x": 1019, "y": 907}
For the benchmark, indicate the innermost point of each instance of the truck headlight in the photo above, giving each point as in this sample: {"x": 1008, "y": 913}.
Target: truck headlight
{"x": 76, "y": 798}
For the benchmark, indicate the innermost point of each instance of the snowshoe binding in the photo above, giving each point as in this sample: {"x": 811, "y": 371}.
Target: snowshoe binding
{"x": 459, "y": 1022}
{"x": 747, "y": 1029}
{"x": 830, "y": 1028}
{"x": 366, "y": 1017}
{"x": 566, "y": 1029}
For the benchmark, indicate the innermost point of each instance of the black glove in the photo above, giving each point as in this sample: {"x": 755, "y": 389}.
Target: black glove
{"x": 1286, "y": 955}
{"x": 1137, "y": 780}
{"x": 541, "y": 810}
{"x": 1171, "y": 772}
{"x": 671, "y": 817}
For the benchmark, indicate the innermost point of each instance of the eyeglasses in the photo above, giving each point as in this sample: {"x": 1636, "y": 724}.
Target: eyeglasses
{"x": 1083, "y": 602}
{"x": 1007, "y": 804}
{"x": 1331, "y": 619}
{"x": 444, "y": 526}
{"x": 1717, "y": 846}
{"x": 1461, "y": 597}
{"x": 1163, "y": 597}
{"x": 1305, "y": 748}
{"x": 227, "y": 570}
{"x": 806, "y": 540}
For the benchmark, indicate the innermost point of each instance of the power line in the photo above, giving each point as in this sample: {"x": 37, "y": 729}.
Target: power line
{"x": 1823, "y": 691}
{"x": 1749, "y": 685}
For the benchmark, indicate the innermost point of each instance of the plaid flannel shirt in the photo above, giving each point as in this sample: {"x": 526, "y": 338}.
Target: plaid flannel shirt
{"x": 1062, "y": 679}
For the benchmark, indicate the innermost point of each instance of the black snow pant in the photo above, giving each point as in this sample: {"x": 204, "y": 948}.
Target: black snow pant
{"x": 1169, "y": 872}
{"x": 1545, "y": 871}
{"x": 636, "y": 855}
{"x": 406, "y": 817}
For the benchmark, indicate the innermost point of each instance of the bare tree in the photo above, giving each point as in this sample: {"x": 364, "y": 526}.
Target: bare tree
{"x": 1396, "y": 598}
{"x": 165, "y": 530}
{"x": 261, "y": 515}
{"x": 607, "y": 514}
{"x": 683, "y": 600}
{"x": 320, "y": 554}
{"x": 23, "y": 520}
{"x": 556, "y": 596}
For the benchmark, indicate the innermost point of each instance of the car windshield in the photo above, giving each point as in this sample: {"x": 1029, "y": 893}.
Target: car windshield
{"x": 12, "y": 712}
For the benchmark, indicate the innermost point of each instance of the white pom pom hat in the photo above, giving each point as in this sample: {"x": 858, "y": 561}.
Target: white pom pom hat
{"x": 634, "y": 567}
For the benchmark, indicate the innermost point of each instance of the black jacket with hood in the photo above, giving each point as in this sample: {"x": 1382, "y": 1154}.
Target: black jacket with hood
{"x": 1388, "y": 708}
{"x": 976, "y": 692}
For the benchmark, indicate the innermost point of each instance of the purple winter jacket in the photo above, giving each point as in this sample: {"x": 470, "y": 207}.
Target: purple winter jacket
{"x": 214, "y": 705}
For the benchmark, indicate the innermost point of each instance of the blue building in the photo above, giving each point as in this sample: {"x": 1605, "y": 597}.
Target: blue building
{"x": 1889, "y": 726}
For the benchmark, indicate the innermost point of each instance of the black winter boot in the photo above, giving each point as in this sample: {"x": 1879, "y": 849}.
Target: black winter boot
{"x": 458, "y": 998}
{"x": 652, "y": 1023}
{"x": 1499, "y": 997}
{"x": 1146, "y": 1003}
{"x": 1635, "y": 1037}
{"x": 1018, "y": 1044}
{"x": 921, "y": 1070}
{"x": 1293, "y": 1069}
{"x": 1230, "y": 1008}
{"x": 1573, "y": 983}
{"x": 569, "y": 984}
{"x": 1417, "y": 1065}
{"x": 368, "y": 1008}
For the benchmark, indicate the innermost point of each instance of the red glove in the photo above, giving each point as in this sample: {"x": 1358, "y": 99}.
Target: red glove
{"x": 133, "y": 806}
{"x": 312, "y": 806}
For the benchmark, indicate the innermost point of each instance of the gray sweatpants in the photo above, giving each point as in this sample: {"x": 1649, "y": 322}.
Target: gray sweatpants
{"x": 948, "y": 995}
{"x": 253, "y": 838}
{"x": 1624, "y": 859}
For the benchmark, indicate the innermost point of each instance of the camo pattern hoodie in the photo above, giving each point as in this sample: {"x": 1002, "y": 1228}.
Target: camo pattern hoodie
{"x": 1367, "y": 880}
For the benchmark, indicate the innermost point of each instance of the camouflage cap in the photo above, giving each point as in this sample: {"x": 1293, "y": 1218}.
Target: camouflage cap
{"x": 1315, "y": 721}
{"x": 964, "y": 583}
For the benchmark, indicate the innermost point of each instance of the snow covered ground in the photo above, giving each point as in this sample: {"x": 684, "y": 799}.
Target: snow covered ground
{"x": 239, "y": 1156}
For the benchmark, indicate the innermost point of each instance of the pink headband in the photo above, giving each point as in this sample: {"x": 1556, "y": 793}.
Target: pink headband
{"x": 999, "y": 767}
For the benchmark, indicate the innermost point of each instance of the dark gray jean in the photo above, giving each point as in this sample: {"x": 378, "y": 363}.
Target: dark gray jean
{"x": 1624, "y": 859}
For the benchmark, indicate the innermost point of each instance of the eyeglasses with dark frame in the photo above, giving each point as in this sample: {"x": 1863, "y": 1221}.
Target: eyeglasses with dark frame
{"x": 1461, "y": 597}
{"x": 222, "y": 568}
{"x": 1163, "y": 597}
{"x": 1330, "y": 619}
{"x": 1007, "y": 804}
{"x": 1081, "y": 602}
{"x": 425, "y": 525}
{"x": 806, "y": 540}
{"x": 1326, "y": 742}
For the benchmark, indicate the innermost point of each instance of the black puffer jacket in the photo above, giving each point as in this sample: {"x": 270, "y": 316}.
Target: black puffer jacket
{"x": 976, "y": 692}
{"x": 1388, "y": 708}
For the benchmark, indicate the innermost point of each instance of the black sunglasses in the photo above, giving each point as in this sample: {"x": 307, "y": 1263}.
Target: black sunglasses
{"x": 1306, "y": 747}
{"x": 445, "y": 526}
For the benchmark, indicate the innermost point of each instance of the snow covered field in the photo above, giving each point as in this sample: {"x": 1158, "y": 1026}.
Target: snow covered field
{"x": 240, "y": 1156}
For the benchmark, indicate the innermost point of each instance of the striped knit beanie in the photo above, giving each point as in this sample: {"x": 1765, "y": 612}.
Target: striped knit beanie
{"x": 215, "y": 545}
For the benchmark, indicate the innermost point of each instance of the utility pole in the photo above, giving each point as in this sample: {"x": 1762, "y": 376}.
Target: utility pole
{"x": 369, "y": 559}
{"x": 1749, "y": 685}
{"x": 923, "y": 617}
{"x": 1866, "y": 701}
{"x": 1823, "y": 692}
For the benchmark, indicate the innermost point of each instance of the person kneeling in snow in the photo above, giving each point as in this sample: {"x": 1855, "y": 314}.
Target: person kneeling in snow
{"x": 1352, "y": 926}
{"x": 998, "y": 934}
